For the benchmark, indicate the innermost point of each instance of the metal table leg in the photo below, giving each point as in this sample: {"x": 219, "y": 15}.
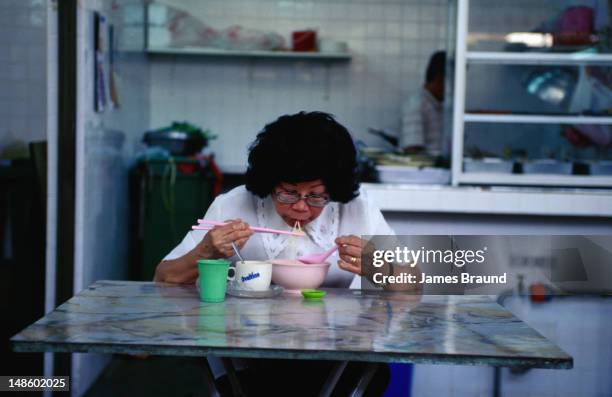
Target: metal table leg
{"x": 231, "y": 376}
{"x": 332, "y": 379}
{"x": 210, "y": 380}
{"x": 364, "y": 380}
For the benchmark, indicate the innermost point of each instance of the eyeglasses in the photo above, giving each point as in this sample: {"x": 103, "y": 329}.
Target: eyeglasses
{"x": 313, "y": 200}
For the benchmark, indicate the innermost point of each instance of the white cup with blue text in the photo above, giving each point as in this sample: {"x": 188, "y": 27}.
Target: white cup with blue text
{"x": 252, "y": 275}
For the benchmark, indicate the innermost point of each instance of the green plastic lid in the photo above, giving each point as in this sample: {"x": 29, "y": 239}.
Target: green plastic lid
{"x": 313, "y": 294}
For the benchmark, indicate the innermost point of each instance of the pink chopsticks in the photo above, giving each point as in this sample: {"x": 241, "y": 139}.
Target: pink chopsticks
{"x": 209, "y": 225}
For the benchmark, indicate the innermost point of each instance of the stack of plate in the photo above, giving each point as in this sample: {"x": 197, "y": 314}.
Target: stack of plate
{"x": 489, "y": 165}
{"x": 413, "y": 175}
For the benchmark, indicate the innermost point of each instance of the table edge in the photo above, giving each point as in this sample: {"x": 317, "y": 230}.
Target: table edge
{"x": 379, "y": 357}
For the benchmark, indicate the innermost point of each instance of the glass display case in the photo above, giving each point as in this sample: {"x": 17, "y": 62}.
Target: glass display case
{"x": 533, "y": 93}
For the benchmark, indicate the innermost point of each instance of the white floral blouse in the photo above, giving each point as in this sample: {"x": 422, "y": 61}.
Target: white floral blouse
{"x": 358, "y": 217}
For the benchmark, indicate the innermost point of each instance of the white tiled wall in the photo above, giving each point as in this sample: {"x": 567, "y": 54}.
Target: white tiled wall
{"x": 23, "y": 59}
{"x": 390, "y": 41}
{"x": 28, "y": 105}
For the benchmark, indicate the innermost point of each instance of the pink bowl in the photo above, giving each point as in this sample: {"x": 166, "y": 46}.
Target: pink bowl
{"x": 295, "y": 276}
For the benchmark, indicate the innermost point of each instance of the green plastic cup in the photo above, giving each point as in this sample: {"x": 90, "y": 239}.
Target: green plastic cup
{"x": 213, "y": 279}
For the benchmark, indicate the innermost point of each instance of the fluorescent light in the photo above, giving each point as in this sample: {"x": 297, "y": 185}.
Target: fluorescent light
{"x": 530, "y": 39}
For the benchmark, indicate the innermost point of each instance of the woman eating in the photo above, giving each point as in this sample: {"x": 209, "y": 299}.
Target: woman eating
{"x": 301, "y": 172}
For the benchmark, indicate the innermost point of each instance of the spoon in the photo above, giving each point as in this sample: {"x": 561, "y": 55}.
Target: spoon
{"x": 317, "y": 258}
{"x": 237, "y": 252}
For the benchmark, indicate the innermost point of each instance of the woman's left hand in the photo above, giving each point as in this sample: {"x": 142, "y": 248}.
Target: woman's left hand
{"x": 350, "y": 251}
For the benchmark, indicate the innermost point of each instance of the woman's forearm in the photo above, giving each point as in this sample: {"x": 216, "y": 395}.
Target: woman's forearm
{"x": 215, "y": 244}
{"x": 180, "y": 270}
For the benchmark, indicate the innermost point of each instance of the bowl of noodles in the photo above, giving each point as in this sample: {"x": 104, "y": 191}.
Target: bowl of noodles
{"x": 294, "y": 275}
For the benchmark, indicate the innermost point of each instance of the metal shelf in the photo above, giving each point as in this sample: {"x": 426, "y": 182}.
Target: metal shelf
{"x": 535, "y": 179}
{"x": 214, "y": 52}
{"x": 534, "y": 119}
{"x": 538, "y": 58}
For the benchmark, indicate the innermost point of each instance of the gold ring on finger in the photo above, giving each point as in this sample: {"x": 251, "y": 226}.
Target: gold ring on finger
{"x": 353, "y": 259}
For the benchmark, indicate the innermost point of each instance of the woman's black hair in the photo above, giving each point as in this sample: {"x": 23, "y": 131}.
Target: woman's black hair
{"x": 303, "y": 147}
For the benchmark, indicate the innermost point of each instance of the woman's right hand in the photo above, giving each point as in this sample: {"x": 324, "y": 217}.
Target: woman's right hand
{"x": 217, "y": 243}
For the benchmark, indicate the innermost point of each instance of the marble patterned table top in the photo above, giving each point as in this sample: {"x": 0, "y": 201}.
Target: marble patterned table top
{"x": 155, "y": 318}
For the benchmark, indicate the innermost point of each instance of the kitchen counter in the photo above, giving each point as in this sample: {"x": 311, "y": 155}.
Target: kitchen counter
{"x": 491, "y": 200}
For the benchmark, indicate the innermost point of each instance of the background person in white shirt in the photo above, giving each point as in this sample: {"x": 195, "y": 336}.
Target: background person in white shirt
{"x": 422, "y": 113}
